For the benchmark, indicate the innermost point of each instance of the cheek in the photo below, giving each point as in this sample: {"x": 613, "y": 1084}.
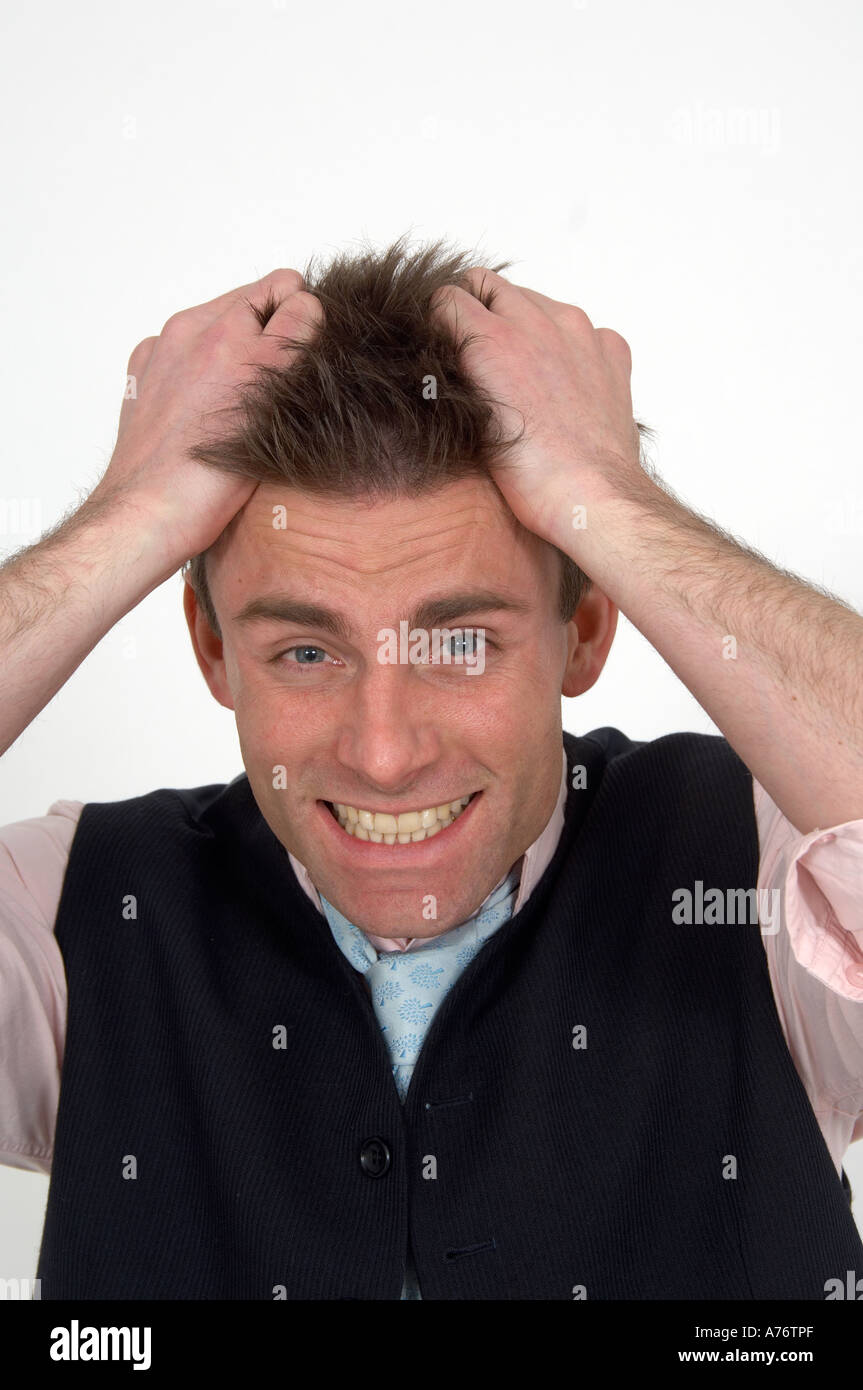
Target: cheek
{"x": 264, "y": 714}
{"x": 263, "y": 729}
{"x": 519, "y": 696}
{"x": 279, "y": 729}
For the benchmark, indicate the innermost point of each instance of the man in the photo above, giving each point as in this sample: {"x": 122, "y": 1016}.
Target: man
{"x": 435, "y": 1000}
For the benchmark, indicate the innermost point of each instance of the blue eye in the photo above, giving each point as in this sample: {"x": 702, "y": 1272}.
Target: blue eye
{"x": 308, "y": 656}
{"x": 468, "y": 646}
{"x": 467, "y": 639}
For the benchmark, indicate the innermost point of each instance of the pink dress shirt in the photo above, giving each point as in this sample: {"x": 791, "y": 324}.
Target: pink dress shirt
{"x": 815, "y": 962}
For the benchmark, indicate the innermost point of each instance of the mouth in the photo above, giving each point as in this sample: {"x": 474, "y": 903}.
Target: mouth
{"x": 399, "y": 828}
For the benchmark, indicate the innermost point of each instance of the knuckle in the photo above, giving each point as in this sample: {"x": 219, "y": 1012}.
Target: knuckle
{"x": 612, "y": 339}
{"x": 306, "y": 304}
{"x": 577, "y": 316}
{"x": 475, "y": 276}
{"x": 175, "y": 324}
{"x": 142, "y": 349}
{"x": 285, "y": 277}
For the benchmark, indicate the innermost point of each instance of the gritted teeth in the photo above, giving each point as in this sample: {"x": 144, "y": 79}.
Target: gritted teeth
{"x": 408, "y": 827}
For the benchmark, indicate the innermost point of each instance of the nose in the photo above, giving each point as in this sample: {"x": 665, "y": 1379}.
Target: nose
{"x": 388, "y": 738}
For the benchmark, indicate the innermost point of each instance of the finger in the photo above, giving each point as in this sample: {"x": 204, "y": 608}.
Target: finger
{"x": 459, "y": 309}
{"x": 501, "y": 297}
{"x": 270, "y": 310}
{"x": 135, "y": 369}
{"x": 140, "y": 356}
{"x": 281, "y": 282}
{"x": 555, "y": 308}
{"x": 615, "y": 349}
{"x": 299, "y": 316}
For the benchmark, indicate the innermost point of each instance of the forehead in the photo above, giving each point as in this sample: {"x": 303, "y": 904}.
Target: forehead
{"x": 463, "y": 530}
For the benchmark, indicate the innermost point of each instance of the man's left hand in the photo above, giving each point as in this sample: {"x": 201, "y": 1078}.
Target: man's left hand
{"x": 545, "y": 364}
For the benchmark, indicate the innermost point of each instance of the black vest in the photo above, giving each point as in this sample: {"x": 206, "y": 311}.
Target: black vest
{"x": 587, "y": 1090}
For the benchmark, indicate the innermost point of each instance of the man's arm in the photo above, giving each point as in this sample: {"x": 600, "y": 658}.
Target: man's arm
{"x": 155, "y": 507}
{"x": 776, "y": 663}
{"x": 61, "y": 596}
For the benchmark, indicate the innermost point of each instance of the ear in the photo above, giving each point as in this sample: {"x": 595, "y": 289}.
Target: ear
{"x": 207, "y": 647}
{"x": 590, "y": 633}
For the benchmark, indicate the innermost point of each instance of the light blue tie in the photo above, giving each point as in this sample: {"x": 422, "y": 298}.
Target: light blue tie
{"x": 408, "y": 987}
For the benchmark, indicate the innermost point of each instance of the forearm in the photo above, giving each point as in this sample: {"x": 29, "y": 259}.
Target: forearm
{"x": 60, "y": 597}
{"x": 776, "y": 664}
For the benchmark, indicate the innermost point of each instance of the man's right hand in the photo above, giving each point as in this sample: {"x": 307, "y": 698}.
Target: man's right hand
{"x": 192, "y": 369}
{"x": 155, "y": 507}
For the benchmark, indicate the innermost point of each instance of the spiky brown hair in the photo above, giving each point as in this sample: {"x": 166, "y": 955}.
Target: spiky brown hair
{"x": 348, "y": 416}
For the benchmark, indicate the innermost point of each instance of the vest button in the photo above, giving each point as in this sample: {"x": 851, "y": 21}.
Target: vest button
{"x": 374, "y": 1158}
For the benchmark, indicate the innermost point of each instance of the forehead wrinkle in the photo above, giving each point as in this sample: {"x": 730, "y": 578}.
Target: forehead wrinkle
{"x": 386, "y": 553}
{"x": 451, "y": 519}
{"x": 387, "y": 564}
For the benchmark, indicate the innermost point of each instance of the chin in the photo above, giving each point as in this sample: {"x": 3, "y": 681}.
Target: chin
{"x": 381, "y": 915}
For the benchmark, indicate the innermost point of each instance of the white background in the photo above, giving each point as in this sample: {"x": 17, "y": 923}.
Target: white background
{"x": 687, "y": 173}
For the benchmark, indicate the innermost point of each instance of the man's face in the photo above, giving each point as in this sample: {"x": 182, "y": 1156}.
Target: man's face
{"x": 392, "y": 737}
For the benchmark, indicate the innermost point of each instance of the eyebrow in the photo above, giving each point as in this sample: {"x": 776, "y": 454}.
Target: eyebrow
{"x": 434, "y": 612}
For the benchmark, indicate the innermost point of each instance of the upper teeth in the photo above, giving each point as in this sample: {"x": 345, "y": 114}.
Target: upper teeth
{"x": 381, "y": 826}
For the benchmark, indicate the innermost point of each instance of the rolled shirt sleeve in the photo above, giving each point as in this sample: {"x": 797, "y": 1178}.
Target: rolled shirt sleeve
{"x": 33, "y": 858}
{"x": 816, "y": 961}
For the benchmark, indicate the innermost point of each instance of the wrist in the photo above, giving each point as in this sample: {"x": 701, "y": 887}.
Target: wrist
{"x": 141, "y": 529}
{"x": 607, "y": 512}
{"x": 113, "y": 551}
